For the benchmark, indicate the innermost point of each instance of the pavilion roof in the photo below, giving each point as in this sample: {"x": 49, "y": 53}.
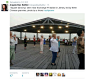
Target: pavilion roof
{"x": 48, "y": 25}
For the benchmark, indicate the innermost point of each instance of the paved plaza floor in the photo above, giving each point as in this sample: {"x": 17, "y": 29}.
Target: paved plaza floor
{"x": 32, "y": 59}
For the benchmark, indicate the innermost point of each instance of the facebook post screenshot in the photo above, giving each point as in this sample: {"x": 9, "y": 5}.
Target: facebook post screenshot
{"x": 42, "y": 39}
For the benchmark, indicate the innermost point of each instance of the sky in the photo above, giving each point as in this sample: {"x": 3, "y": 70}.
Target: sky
{"x": 20, "y": 18}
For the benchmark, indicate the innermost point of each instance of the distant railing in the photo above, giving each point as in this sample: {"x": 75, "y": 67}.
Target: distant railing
{"x": 37, "y": 42}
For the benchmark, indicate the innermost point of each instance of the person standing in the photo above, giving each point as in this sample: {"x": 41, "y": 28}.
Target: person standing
{"x": 41, "y": 44}
{"x": 80, "y": 48}
{"x": 74, "y": 43}
{"x": 54, "y": 48}
{"x": 16, "y": 42}
{"x": 49, "y": 42}
{"x": 25, "y": 42}
{"x": 58, "y": 44}
{"x": 65, "y": 41}
{"x": 34, "y": 40}
{"x": 38, "y": 40}
{"x": 44, "y": 41}
{"x": 12, "y": 48}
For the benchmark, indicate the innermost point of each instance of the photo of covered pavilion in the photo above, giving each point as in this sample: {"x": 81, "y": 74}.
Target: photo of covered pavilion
{"x": 32, "y": 59}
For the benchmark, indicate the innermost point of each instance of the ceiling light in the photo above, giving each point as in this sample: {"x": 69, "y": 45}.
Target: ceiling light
{"x": 38, "y": 31}
{"x": 51, "y": 27}
{"x": 59, "y": 27}
{"x": 67, "y": 26}
{"x": 33, "y": 26}
{"x": 52, "y": 31}
{"x": 42, "y": 27}
{"x": 66, "y": 31}
{"x": 25, "y": 30}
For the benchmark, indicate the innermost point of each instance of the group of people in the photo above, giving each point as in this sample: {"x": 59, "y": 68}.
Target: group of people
{"x": 79, "y": 42}
{"x": 54, "y": 46}
{"x": 42, "y": 42}
{"x": 34, "y": 41}
{"x": 13, "y": 44}
{"x": 66, "y": 42}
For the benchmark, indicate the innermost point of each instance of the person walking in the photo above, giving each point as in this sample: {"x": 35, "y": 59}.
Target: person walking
{"x": 34, "y": 40}
{"x": 41, "y": 44}
{"x": 25, "y": 42}
{"x": 74, "y": 43}
{"x": 54, "y": 48}
{"x": 80, "y": 48}
{"x": 12, "y": 48}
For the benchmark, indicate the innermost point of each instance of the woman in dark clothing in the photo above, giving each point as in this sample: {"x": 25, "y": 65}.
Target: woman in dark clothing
{"x": 25, "y": 42}
{"x": 80, "y": 49}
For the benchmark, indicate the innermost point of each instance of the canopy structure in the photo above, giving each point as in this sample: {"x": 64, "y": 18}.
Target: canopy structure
{"x": 48, "y": 25}
{"x": 58, "y": 26}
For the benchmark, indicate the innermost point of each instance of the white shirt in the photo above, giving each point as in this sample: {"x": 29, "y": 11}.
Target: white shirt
{"x": 16, "y": 42}
{"x": 41, "y": 41}
{"x": 54, "y": 45}
{"x": 65, "y": 41}
{"x": 12, "y": 42}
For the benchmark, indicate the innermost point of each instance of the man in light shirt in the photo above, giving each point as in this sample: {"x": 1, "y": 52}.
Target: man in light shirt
{"x": 54, "y": 48}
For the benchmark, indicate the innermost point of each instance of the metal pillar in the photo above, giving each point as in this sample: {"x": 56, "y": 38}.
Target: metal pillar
{"x": 70, "y": 37}
{"x": 37, "y": 36}
{"x": 20, "y": 35}
{"x": 25, "y": 33}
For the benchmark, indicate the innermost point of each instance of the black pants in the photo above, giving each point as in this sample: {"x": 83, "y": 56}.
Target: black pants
{"x": 82, "y": 61}
{"x": 49, "y": 44}
{"x": 34, "y": 42}
{"x": 59, "y": 49}
{"x": 15, "y": 47}
{"x": 25, "y": 45}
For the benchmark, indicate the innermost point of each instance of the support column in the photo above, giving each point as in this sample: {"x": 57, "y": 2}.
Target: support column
{"x": 20, "y": 35}
{"x": 37, "y": 36}
{"x": 70, "y": 37}
{"x": 25, "y": 33}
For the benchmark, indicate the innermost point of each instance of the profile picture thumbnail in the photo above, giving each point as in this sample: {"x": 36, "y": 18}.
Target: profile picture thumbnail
{"x": 41, "y": 74}
{"x": 37, "y": 74}
{"x": 46, "y": 74}
{"x": 50, "y": 74}
{"x": 4, "y": 7}
{"x": 63, "y": 75}
{"x": 59, "y": 74}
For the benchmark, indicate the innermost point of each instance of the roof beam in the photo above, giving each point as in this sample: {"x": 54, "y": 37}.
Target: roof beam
{"x": 11, "y": 28}
{"x": 45, "y": 21}
{"x": 51, "y": 21}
